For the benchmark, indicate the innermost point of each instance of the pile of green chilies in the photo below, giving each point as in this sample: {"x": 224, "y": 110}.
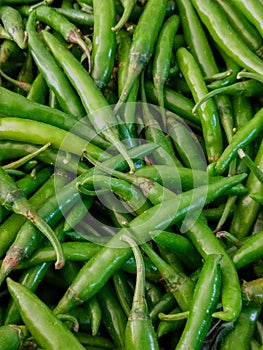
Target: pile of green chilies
{"x": 131, "y": 174}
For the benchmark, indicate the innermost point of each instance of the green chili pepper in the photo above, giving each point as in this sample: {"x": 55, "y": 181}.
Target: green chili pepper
{"x": 250, "y": 251}
{"x": 225, "y": 36}
{"x": 143, "y": 41}
{"x": 206, "y": 243}
{"x": 205, "y": 299}
{"x": 13, "y": 198}
{"x": 208, "y": 115}
{"x": 104, "y": 42}
{"x": 14, "y": 105}
{"x": 165, "y": 304}
{"x": 243, "y": 331}
{"x": 87, "y": 282}
{"x": 174, "y": 102}
{"x": 46, "y": 328}
{"x": 12, "y": 22}
{"x": 123, "y": 291}
{"x": 99, "y": 112}
{"x": 162, "y": 57}
{"x": 180, "y": 245}
{"x": 31, "y": 278}
{"x": 62, "y": 25}
{"x": 247, "y": 206}
{"x": 241, "y": 138}
{"x": 164, "y": 153}
{"x": 241, "y": 24}
{"x": 57, "y": 81}
{"x": 253, "y": 10}
{"x": 12, "y": 336}
{"x": 178, "y": 283}
{"x": 113, "y": 315}
{"x": 13, "y": 223}
{"x": 181, "y": 135}
{"x": 72, "y": 252}
{"x": 128, "y": 6}
{"x": 139, "y": 332}
{"x": 247, "y": 88}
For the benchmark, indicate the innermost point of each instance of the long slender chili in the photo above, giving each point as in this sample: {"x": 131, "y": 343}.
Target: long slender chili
{"x": 144, "y": 38}
{"x": 12, "y": 198}
{"x": 99, "y": 112}
{"x": 139, "y": 332}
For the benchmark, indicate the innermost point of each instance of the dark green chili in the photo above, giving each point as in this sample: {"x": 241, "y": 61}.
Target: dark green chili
{"x": 143, "y": 41}
{"x": 152, "y": 128}
{"x": 179, "y": 244}
{"x": 113, "y": 315}
{"x": 123, "y": 291}
{"x": 139, "y": 332}
{"x": 241, "y": 138}
{"x": 61, "y": 24}
{"x": 206, "y": 243}
{"x": 186, "y": 143}
{"x": 247, "y": 208}
{"x": 243, "y": 331}
{"x": 248, "y": 88}
{"x": 205, "y": 299}
{"x": 104, "y": 42}
{"x": 249, "y": 252}
{"x": 177, "y": 282}
{"x": 208, "y": 115}
{"x": 174, "y": 102}
{"x": 162, "y": 57}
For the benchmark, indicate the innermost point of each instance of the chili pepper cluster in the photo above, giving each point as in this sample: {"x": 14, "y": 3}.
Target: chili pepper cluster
{"x": 131, "y": 174}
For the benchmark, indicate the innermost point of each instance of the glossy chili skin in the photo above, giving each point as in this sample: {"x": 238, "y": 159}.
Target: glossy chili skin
{"x": 143, "y": 41}
{"x": 224, "y": 35}
{"x": 253, "y": 10}
{"x": 206, "y": 243}
{"x": 241, "y": 24}
{"x": 139, "y": 331}
{"x": 96, "y": 106}
{"x": 113, "y": 315}
{"x": 15, "y": 105}
{"x": 54, "y": 76}
{"x": 162, "y": 56}
{"x": 247, "y": 208}
{"x": 205, "y": 299}
{"x": 249, "y": 252}
{"x": 87, "y": 283}
{"x": 104, "y": 42}
{"x": 208, "y": 115}
{"x": 244, "y": 329}
{"x": 47, "y": 329}
{"x": 242, "y": 137}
